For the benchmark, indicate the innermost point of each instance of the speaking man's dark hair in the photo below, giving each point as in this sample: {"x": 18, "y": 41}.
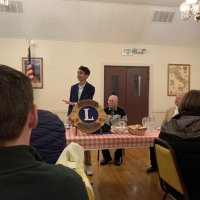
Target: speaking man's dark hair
{"x": 85, "y": 70}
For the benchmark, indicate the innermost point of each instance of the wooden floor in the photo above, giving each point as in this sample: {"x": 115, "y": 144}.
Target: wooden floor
{"x": 128, "y": 181}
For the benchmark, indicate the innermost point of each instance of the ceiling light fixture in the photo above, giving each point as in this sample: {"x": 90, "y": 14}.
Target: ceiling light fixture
{"x": 3, "y": 2}
{"x": 190, "y": 7}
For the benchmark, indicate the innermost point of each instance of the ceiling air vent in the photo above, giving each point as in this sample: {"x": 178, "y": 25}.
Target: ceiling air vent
{"x": 13, "y": 7}
{"x": 163, "y": 16}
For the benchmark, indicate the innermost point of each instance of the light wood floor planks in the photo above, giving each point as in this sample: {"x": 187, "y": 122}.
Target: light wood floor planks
{"x": 128, "y": 181}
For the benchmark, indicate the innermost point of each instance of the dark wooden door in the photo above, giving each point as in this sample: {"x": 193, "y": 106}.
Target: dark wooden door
{"x": 131, "y": 85}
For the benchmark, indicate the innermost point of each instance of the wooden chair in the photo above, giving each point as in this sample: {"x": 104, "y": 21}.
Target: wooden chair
{"x": 171, "y": 180}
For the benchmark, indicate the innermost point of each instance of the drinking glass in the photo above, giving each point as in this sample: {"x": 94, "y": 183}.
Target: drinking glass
{"x": 116, "y": 122}
{"x": 122, "y": 123}
{"x": 150, "y": 123}
{"x": 144, "y": 120}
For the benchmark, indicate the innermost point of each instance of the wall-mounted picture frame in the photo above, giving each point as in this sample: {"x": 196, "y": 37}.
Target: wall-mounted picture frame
{"x": 37, "y": 67}
{"x": 178, "y": 79}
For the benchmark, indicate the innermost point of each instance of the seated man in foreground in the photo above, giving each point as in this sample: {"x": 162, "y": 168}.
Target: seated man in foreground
{"x": 115, "y": 114}
{"x": 22, "y": 174}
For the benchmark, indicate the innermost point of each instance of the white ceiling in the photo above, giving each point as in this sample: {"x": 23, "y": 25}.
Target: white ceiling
{"x": 111, "y": 21}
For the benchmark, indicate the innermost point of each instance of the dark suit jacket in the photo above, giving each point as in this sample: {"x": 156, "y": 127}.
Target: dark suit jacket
{"x": 88, "y": 93}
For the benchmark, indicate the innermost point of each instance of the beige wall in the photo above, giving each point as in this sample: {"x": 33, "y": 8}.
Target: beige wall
{"x": 61, "y": 60}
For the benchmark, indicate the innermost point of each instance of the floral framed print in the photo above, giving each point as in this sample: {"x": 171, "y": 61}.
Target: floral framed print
{"x": 178, "y": 79}
{"x": 37, "y": 71}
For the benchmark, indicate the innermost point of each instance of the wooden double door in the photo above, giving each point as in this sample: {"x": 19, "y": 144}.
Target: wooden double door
{"x": 131, "y": 85}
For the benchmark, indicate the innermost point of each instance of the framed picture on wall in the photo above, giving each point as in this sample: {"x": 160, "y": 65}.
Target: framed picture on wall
{"x": 37, "y": 67}
{"x": 178, "y": 79}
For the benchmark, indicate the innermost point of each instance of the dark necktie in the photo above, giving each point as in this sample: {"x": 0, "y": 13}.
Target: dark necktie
{"x": 112, "y": 114}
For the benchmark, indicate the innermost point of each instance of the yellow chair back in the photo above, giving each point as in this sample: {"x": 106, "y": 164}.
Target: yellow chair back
{"x": 167, "y": 169}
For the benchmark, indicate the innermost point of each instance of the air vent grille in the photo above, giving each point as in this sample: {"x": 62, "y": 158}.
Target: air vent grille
{"x": 13, "y": 7}
{"x": 163, "y": 16}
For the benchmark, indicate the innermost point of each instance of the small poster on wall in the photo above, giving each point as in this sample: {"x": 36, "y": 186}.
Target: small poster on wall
{"x": 37, "y": 71}
{"x": 178, "y": 79}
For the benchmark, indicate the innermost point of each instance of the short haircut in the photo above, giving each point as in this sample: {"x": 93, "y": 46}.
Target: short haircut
{"x": 85, "y": 70}
{"x": 191, "y": 101}
{"x": 16, "y": 100}
{"x": 113, "y": 96}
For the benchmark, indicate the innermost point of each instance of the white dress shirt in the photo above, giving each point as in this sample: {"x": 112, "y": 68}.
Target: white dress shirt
{"x": 80, "y": 90}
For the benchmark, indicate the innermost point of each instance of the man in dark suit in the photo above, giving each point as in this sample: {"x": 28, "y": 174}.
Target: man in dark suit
{"x": 81, "y": 91}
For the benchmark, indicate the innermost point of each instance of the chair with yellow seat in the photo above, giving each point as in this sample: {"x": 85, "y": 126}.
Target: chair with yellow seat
{"x": 171, "y": 180}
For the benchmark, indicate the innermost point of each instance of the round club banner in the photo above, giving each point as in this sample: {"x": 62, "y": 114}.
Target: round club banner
{"x": 88, "y": 116}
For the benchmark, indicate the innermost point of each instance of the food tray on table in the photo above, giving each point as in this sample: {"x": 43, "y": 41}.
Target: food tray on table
{"x": 137, "y": 129}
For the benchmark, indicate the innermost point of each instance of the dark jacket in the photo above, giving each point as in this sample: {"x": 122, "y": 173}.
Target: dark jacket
{"x": 49, "y": 136}
{"x": 88, "y": 93}
{"x": 183, "y": 134}
{"x": 24, "y": 177}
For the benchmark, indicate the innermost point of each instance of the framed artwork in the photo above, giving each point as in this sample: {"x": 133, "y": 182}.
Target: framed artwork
{"x": 37, "y": 67}
{"x": 178, "y": 79}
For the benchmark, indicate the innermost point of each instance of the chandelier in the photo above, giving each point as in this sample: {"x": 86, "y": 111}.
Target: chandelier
{"x": 190, "y": 7}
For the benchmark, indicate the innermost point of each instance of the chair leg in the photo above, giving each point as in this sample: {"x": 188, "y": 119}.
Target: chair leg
{"x": 165, "y": 195}
{"x": 98, "y": 156}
